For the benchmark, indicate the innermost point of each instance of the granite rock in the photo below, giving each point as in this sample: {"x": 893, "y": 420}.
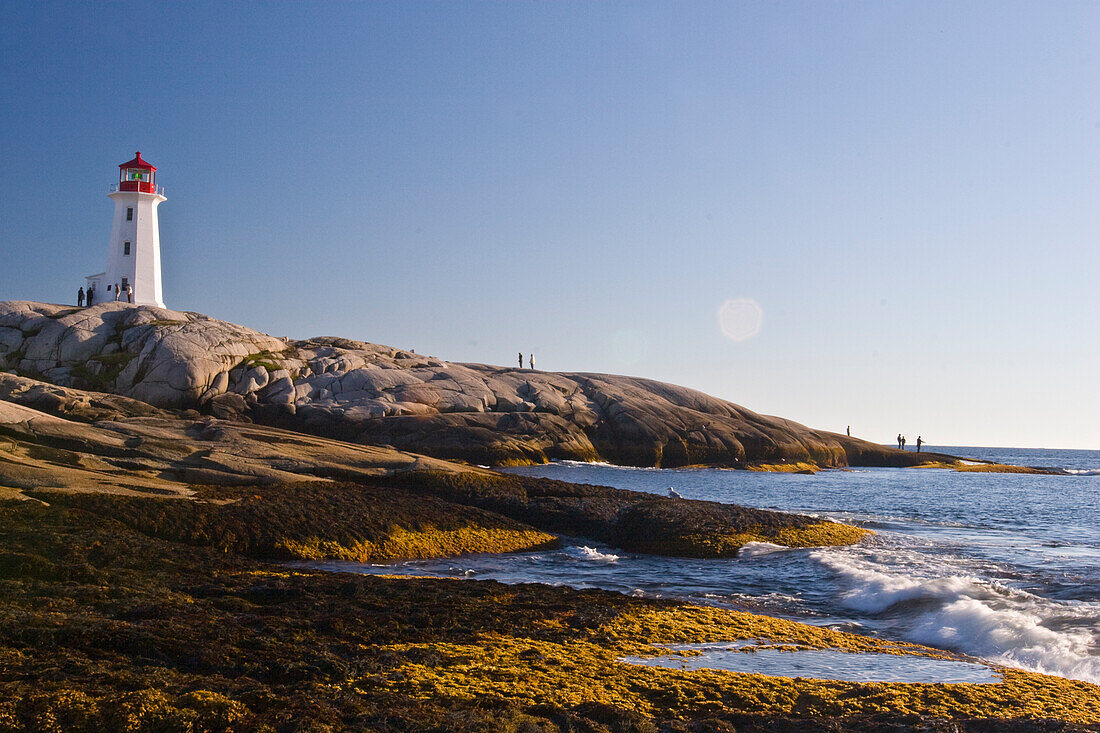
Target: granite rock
{"x": 380, "y": 395}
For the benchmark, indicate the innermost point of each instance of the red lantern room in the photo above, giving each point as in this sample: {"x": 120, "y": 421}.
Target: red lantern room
{"x": 137, "y": 175}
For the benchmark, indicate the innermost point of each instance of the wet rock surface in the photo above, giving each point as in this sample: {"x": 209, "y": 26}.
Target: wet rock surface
{"x": 379, "y": 395}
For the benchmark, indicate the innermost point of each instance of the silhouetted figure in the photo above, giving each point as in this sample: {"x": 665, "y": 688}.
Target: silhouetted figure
{"x": 920, "y": 442}
{"x": 901, "y": 443}
{"x": 521, "y": 360}
{"x": 80, "y": 298}
{"x": 532, "y": 358}
{"x": 849, "y": 431}
{"x": 91, "y": 295}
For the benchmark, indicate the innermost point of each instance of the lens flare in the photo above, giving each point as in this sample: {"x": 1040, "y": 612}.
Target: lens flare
{"x": 740, "y": 318}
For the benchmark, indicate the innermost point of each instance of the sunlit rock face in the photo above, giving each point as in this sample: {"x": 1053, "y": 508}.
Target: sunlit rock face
{"x": 381, "y": 395}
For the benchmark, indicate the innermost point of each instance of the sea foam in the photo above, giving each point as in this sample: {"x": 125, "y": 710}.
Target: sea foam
{"x": 591, "y": 553}
{"x": 931, "y": 605}
{"x": 756, "y": 549}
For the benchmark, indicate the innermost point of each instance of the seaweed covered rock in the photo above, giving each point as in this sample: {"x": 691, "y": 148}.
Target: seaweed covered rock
{"x": 379, "y": 395}
{"x": 315, "y": 522}
{"x": 631, "y": 520}
{"x": 166, "y": 636}
{"x": 295, "y": 495}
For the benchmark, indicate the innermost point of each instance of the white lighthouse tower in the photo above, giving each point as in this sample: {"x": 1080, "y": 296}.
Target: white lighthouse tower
{"x": 133, "y": 253}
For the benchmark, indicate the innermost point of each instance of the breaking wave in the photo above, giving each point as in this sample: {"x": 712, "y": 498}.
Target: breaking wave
{"x": 937, "y": 606}
{"x": 591, "y": 553}
{"x": 756, "y": 549}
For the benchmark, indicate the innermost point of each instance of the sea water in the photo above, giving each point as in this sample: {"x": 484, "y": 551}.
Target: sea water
{"x": 1004, "y": 567}
{"x": 826, "y": 664}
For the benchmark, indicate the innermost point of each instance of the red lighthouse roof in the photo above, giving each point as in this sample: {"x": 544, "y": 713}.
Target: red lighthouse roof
{"x": 137, "y": 162}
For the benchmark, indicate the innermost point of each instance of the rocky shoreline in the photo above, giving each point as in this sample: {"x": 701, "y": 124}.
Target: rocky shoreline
{"x": 108, "y": 625}
{"x": 143, "y": 547}
{"x": 378, "y": 395}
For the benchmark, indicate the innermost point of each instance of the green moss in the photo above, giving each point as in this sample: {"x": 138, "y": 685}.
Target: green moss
{"x": 159, "y": 322}
{"x": 266, "y": 359}
{"x": 102, "y": 379}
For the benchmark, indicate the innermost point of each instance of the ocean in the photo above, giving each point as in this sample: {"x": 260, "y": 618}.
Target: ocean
{"x": 1003, "y": 567}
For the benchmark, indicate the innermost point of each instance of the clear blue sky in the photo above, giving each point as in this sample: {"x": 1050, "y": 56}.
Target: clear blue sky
{"x": 909, "y": 191}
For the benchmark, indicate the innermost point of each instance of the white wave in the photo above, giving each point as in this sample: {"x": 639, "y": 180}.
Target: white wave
{"x": 1083, "y": 471}
{"x": 960, "y": 611}
{"x": 1035, "y": 635}
{"x": 874, "y": 588}
{"x": 591, "y": 553}
{"x": 756, "y": 549}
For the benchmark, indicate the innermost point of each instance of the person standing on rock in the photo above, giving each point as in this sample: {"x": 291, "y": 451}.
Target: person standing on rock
{"x": 80, "y": 298}
{"x": 129, "y": 293}
{"x": 521, "y": 360}
{"x": 900, "y": 444}
{"x": 91, "y": 294}
{"x": 920, "y": 442}
{"x": 849, "y": 431}
{"x": 532, "y": 358}
{"x": 118, "y": 292}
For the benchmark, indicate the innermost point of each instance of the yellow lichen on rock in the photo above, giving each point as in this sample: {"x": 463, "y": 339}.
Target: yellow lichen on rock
{"x": 401, "y": 544}
{"x": 818, "y": 534}
{"x": 792, "y": 467}
{"x": 992, "y": 468}
{"x": 528, "y": 671}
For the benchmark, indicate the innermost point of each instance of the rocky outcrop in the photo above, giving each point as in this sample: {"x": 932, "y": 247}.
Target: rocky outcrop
{"x": 64, "y": 439}
{"x": 380, "y": 395}
{"x": 306, "y": 497}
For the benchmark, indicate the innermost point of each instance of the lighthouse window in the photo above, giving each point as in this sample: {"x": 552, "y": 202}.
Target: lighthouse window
{"x": 125, "y": 248}
{"x": 129, "y": 213}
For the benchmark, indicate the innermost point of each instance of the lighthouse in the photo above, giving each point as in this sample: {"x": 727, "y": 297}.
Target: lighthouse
{"x": 133, "y": 252}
